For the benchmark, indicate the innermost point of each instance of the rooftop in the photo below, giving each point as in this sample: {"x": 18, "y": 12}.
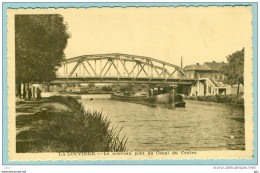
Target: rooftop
{"x": 207, "y": 66}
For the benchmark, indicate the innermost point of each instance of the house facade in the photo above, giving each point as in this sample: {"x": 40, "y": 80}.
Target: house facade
{"x": 208, "y": 77}
{"x": 206, "y": 70}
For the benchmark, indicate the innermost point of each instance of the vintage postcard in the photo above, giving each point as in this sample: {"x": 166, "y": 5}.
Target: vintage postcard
{"x": 153, "y": 83}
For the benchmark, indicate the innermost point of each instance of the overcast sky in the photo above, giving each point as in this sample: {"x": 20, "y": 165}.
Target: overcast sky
{"x": 198, "y": 34}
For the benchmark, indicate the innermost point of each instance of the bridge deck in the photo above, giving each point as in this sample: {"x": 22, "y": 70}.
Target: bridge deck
{"x": 122, "y": 80}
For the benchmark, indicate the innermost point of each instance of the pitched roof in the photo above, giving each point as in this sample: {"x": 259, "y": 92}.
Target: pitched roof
{"x": 207, "y": 66}
{"x": 197, "y": 67}
{"x": 215, "y": 66}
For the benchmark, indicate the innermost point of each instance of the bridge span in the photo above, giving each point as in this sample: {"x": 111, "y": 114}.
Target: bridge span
{"x": 119, "y": 68}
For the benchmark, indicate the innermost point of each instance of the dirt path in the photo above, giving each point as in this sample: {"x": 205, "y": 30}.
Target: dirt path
{"x": 24, "y": 112}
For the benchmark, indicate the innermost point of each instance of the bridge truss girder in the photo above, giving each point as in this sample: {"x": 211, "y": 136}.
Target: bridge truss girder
{"x": 123, "y": 66}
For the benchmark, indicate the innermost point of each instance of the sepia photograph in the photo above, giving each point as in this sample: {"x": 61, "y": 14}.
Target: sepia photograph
{"x": 130, "y": 83}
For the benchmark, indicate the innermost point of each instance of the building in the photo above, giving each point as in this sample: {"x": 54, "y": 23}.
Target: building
{"x": 208, "y": 77}
{"x": 207, "y": 70}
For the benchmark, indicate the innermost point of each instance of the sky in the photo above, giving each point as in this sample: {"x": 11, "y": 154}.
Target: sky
{"x": 198, "y": 34}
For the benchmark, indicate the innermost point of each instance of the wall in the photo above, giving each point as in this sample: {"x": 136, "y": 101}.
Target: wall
{"x": 205, "y": 74}
{"x": 201, "y": 88}
{"x": 197, "y": 87}
{"x": 234, "y": 89}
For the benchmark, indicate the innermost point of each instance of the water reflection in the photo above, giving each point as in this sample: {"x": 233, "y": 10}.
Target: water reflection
{"x": 199, "y": 126}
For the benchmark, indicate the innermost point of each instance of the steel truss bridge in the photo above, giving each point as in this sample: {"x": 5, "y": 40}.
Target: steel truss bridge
{"x": 119, "y": 68}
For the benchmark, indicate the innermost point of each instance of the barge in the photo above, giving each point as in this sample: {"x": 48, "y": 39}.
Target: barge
{"x": 155, "y": 96}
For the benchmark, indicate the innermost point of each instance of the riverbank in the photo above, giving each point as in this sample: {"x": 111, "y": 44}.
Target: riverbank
{"x": 230, "y": 99}
{"x": 61, "y": 124}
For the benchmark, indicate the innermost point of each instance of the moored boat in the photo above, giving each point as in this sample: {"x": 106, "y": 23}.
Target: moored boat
{"x": 178, "y": 101}
{"x": 166, "y": 98}
{"x": 127, "y": 97}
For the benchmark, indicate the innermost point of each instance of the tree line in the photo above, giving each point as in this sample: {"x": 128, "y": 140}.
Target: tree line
{"x": 40, "y": 41}
{"x": 234, "y": 70}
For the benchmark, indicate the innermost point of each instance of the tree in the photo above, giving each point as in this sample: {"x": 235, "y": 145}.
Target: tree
{"x": 234, "y": 70}
{"x": 40, "y": 41}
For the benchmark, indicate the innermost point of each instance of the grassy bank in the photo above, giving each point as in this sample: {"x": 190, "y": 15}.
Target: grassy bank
{"x": 61, "y": 124}
{"x": 231, "y": 99}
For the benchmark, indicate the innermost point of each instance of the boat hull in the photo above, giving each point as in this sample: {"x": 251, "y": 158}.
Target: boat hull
{"x": 159, "y": 99}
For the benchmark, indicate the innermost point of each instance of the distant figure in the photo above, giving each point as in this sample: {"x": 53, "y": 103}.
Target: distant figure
{"x": 151, "y": 92}
{"x": 196, "y": 93}
{"x": 30, "y": 94}
{"x": 24, "y": 94}
{"x": 38, "y": 92}
{"x": 171, "y": 97}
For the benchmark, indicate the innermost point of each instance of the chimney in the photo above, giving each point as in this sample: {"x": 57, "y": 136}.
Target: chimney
{"x": 181, "y": 63}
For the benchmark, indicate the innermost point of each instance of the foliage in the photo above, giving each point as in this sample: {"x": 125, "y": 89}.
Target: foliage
{"x": 75, "y": 130}
{"x": 106, "y": 88}
{"x": 232, "y": 99}
{"x": 132, "y": 88}
{"x": 127, "y": 88}
{"x": 40, "y": 41}
{"x": 91, "y": 85}
{"x": 234, "y": 70}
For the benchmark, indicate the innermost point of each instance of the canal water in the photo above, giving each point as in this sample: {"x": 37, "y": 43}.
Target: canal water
{"x": 201, "y": 126}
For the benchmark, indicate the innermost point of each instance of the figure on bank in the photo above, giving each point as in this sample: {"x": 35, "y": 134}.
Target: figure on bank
{"x": 151, "y": 92}
{"x": 24, "y": 94}
{"x": 38, "y": 92}
{"x": 30, "y": 94}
